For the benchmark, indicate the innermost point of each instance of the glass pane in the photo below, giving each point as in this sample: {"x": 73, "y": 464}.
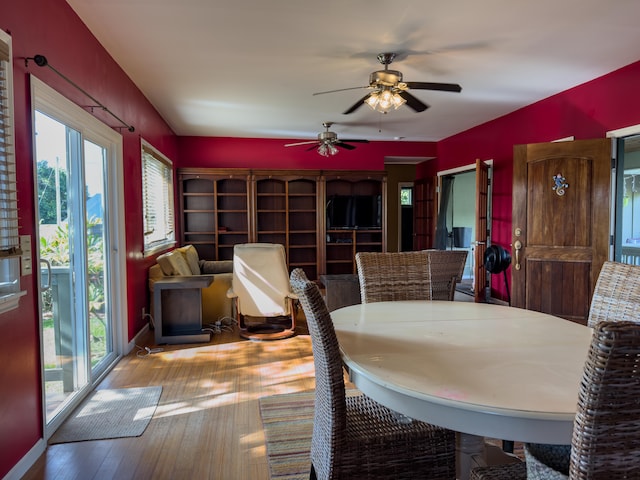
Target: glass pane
{"x": 406, "y": 196}
{"x": 99, "y": 325}
{"x": 63, "y": 332}
{"x": 628, "y": 217}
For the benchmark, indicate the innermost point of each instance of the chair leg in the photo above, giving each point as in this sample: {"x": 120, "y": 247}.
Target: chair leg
{"x": 292, "y": 310}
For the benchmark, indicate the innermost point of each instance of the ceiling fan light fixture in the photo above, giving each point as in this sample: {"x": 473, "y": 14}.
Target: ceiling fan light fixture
{"x": 372, "y": 100}
{"x": 383, "y": 100}
{"x": 327, "y": 149}
{"x": 398, "y": 101}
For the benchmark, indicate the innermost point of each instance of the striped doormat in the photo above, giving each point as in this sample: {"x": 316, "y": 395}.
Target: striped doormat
{"x": 288, "y": 425}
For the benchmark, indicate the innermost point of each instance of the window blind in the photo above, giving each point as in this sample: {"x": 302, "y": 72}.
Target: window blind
{"x": 157, "y": 178}
{"x": 9, "y": 239}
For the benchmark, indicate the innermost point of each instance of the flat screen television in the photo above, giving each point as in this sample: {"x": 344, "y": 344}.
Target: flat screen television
{"x": 367, "y": 211}
{"x": 354, "y": 211}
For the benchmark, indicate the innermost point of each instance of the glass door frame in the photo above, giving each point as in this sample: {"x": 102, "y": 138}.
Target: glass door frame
{"x": 618, "y": 137}
{"x": 51, "y": 103}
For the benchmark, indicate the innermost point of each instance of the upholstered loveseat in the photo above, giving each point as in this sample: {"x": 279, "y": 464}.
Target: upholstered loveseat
{"x": 184, "y": 261}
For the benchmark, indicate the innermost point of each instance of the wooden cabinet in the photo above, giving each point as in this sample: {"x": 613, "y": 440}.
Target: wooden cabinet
{"x": 214, "y": 209}
{"x": 363, "y": 196}
{"x": 220, "y": 208}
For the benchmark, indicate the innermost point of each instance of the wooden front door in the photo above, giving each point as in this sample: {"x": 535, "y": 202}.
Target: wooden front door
{"x": 561, "y": 215}
{"x": 424, "y": 213}
{"x": 482, "y": 230}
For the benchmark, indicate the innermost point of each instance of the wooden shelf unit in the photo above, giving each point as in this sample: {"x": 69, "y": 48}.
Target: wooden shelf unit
{"x": 286, "y": 210}
{"x": 220, "y": 208}
{"x": 342, "y": 244}
{"x": 214, "y": 210}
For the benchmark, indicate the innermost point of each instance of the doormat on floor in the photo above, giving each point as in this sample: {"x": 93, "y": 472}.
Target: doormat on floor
{"x": 110, "y": 413}
{"x": 288, "y": 424}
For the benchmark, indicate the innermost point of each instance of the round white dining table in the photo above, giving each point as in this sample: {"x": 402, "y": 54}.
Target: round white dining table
{"x": 484, "y": 370}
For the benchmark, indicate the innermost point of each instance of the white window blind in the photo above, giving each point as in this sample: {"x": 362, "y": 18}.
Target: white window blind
{"x": 157, "y": 191}
{"x": 9, "y": 240}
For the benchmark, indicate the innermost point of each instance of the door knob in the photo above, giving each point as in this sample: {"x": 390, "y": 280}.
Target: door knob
{"x": 518, "y": 246}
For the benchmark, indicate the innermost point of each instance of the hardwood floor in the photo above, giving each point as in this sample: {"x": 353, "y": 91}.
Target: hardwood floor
{"x": 207, "y": 424}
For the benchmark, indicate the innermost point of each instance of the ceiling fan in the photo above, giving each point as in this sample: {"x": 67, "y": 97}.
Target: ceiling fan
{"x": 328, "y": 142}
{"x": 390, "y": 91}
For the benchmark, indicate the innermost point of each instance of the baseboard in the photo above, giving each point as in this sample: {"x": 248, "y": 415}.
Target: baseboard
{"x": 26, "y": 462}
{"x": 137, "y": 340}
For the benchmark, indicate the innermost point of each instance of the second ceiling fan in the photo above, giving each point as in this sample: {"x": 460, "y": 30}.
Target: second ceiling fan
{"x": 327, "y": 142}
{"x": 389, "y": 91}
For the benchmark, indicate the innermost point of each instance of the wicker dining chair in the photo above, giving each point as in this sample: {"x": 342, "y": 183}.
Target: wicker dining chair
{"x": 508, "y": 471}
{"x": 354, "y": 437}
{"x": 606, "y": 431}
{"x": 616, "y": 296}
{"x": 446, "y": 268}
{"x": 390, "y": 276}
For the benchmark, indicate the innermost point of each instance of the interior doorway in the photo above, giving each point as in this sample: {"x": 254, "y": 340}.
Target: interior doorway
{"x": 456, "y": 216}
{"x": 405, "y": 217}
{"x": 464, "y": 221}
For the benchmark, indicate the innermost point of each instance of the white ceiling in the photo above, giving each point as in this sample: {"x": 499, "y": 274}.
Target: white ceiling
{"x": 248, "y": 68}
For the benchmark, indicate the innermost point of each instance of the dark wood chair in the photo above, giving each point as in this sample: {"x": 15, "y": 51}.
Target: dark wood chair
{"x": 354, "y": 437}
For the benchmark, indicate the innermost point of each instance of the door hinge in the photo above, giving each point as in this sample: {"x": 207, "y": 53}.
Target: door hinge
{"x": 611, "y": 240}
{"x": 613, "y": 164}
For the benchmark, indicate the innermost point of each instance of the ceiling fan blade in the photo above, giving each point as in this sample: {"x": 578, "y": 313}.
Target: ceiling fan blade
{"x": 344, "y": 145}
{"x": 300, "y": 143}
{"x": 312, "y": 148}
{"x": 413, "y": 102}
{"x": 341, "y": 90}
{"x": 444, "y": 87}
{"x": 356, "y": 105}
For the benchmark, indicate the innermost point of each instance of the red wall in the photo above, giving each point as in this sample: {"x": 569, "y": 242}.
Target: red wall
{"x": 225, "y": 152}
{"x": 51, "y": 28}
{"x": 587, "y": 111}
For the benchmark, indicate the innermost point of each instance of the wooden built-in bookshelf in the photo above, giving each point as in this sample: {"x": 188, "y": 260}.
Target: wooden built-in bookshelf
{"x": 223, "y": 207}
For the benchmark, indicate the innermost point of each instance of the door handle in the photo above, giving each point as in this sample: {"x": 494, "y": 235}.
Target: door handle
{"x": 46, "y": 287}
{"x": 518, "y": 246}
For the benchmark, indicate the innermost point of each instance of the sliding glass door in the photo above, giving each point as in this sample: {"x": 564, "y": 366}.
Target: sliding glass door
{"x": 75, "y": 248}
{"x": 627, "y": 245}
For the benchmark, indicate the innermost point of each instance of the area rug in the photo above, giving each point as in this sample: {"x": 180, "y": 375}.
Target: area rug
{"x": 110, "y": 413}
{"x": 288, "y": 424}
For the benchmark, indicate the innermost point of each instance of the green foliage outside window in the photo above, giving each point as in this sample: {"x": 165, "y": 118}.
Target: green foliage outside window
{"x": 406, "y": 196}
{"x": 47, "y": 193}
